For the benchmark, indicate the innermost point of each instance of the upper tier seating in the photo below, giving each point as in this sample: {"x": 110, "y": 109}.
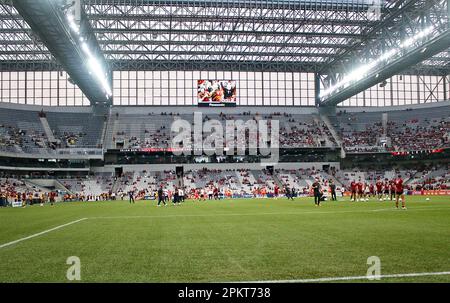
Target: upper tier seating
{"x": 21, "y": 131}
{"x": 77, "y": 129}
{"x": 154, "y": 130}
{"x": 406, "y": 130}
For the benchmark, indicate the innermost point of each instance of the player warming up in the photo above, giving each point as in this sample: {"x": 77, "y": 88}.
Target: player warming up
{"x": 353, "y": 190}
{"x": 161, "y": 197}
{"x": 276, "y": 191}
{"x": 360, "y": 185}
{"x": 316, "y": 191}
{"x": 131, "y": 196}
{"x": 333, "y": 190}
{"x": 399, "y": 192}
{"x": 379, "y": 187}
{"x": 387, "y": 189}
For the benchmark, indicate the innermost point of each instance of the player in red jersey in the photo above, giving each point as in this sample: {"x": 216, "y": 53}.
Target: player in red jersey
{"x": 360, "y": 187}
{"x": 52, "y": 198}
{"x": 379, "y": 188}
{"x": 275, "y": 191}
{"x": 371, "y": 190}
{"x": 196, "y": 195}
{"x": 353, "y": 191}
{"x": 399, "y": 192}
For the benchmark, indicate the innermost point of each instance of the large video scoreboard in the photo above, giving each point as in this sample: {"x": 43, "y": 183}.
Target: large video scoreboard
{"x": 216, "y": 93}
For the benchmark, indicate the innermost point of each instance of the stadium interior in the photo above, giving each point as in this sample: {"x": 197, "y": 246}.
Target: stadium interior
{"x": 82, "y": 150}
{"x": 90, "y": 91}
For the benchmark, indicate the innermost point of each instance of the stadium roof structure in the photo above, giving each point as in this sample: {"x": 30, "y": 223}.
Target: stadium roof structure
{"x": 327, "y": 37}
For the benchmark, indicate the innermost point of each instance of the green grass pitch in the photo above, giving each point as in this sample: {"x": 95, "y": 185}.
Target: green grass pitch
{"x": 228, "y": 240}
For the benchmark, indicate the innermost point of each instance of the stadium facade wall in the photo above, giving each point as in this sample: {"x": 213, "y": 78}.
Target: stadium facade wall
{"x": 355, "y": 109}
{"x": 139, "y": 110}
{"x": 211, "y": 166}
{"x": 40, "y": 169}
{"x": 237, "y": 110}
{"x": 52, "y": 109}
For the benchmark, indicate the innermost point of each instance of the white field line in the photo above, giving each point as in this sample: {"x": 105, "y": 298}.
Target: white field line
{"x": 211, "y": 215}
{"x": 332, "y": 279}
{"x": 41, "y": 233}
{"x": 434, "y": 207}
{"x": 270, "y": 213}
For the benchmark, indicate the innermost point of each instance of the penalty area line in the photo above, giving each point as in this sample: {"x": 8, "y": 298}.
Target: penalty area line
{"x": 351, "y": 278}
{"x": 40, "y": 233}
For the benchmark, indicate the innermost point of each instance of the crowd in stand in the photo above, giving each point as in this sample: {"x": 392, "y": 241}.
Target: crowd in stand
{"x": 12, "y": 136}
{"x": 362, "y": 141}
{"x": 300, "y": 133}
{"x": 298, "y": 137}
{"x": 13, "y": 190}
{"x": 215, "y": 184}
{"x": 411, "y": 135}
{"x": 414, "y": 134}
{"x": 158, "y": 139}
{"x": 92, "y": 188}
{"x": 432, "y": 178}
{"x": 68, "y": 139}
{"x": 420, "y": 133}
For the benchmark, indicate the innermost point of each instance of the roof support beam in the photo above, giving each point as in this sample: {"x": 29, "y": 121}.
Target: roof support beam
{"x": 193, "y": 65}
{"x": 428, "y": 49}
{"x": 126, "y": 53}
{"x": 47, "y": 19}
{"x": 223, "y": 32}
{"x": 380, "y": 53}
{"x": 342, "y": 5}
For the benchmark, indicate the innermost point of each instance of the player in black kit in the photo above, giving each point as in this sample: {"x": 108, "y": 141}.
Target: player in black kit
{"x": 316, "y": 191}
